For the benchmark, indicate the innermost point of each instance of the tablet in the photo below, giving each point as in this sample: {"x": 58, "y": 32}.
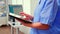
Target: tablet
{"x": 18, "y": 17}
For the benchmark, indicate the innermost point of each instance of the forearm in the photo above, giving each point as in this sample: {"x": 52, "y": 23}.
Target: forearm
{"x": 39, "y": 26}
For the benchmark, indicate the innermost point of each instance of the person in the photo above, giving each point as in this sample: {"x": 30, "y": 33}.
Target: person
{"x": 44, "y": 19}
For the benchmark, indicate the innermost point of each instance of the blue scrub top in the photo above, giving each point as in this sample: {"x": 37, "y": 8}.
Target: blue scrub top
{"x": 47, "y": 12}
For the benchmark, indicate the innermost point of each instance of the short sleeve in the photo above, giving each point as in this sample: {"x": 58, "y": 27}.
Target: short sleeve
{"x": 58, "y": 1}
{"x": 48, "y": 12}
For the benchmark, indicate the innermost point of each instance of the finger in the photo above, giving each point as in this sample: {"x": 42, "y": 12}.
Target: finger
{"x": 21, "y": 13}
{"x": 27, "y": 18}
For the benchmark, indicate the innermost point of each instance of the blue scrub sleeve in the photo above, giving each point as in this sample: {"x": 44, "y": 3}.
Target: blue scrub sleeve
{"x": 48, "y": 12}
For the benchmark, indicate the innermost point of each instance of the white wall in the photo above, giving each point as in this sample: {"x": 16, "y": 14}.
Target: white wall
{"x": 33, "y": 6}
{"x": 27, "y": 6}
{"x": 15, "y": 2}
{"x": 19, "y": 2}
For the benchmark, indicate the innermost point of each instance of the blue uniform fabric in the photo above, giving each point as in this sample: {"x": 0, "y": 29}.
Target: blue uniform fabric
{"x": 58, "y": 1}
{"x": 47, "y": 12}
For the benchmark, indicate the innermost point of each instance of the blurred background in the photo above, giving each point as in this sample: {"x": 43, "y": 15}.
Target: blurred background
{"x": 8, "y": 24}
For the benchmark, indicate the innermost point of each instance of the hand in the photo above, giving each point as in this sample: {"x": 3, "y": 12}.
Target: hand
{"x": 28, "y": 17}
{"x": 25, "y": 24}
